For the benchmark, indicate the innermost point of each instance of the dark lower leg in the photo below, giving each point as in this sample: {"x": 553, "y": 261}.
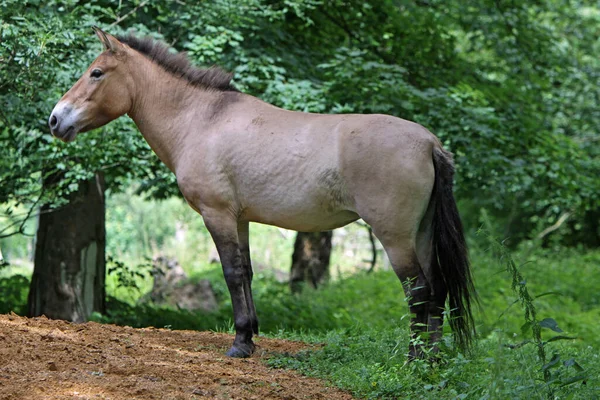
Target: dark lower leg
{"x": 226, "y": 239}
{"x": 248, "y": 293}
{"x": 243, "y": 234}
{"x": 242, "y": 344}
{"x": 418, "y": 294}
{"x": 225, "y": 231}
{"x": 436, "y": 316}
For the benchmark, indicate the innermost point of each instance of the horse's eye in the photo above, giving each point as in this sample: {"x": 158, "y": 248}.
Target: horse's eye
{"x": 96, "y": 73}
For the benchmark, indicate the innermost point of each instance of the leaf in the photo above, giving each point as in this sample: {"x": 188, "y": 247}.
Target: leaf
{"x": 573, "y": 379}
{"x": 526, "y": 327}
{"x": 572, "y": 363}
{"x": 561, "y": 337}
{"x": 549, "y": 294}
{"x": 553, "y": 362}
{"x": 550, "y": 323}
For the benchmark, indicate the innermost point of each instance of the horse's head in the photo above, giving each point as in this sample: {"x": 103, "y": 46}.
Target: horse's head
{"x": 102, "y": 94}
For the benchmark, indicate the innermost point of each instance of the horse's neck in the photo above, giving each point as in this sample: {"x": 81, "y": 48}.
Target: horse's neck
{"x": 164, "y": 110}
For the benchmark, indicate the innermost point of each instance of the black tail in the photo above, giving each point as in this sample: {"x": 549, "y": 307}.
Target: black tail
{"x": 450, "y": 251}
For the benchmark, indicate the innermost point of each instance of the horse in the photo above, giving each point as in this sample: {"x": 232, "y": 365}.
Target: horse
{"x": 238, "y": 160}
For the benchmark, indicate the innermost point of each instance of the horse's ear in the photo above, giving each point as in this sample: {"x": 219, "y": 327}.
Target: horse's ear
{"x": 109, "y": 41}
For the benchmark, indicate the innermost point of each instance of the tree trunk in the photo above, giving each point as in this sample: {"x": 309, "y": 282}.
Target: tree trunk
{"x": 310, "y": 261}
{"x": 69, "y": 267}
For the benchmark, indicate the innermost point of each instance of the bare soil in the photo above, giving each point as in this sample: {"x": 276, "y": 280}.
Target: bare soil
{"x": 48, "y": 359}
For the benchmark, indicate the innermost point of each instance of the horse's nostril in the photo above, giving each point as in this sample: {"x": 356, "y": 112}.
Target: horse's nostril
{"x": 53, "y": 121}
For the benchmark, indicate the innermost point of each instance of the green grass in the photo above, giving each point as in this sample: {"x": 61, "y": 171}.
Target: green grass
{"x": 371, "y": 364}
{"x": 368, "y": 358}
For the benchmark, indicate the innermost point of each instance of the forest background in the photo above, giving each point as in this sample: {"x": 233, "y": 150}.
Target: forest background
{"x": 511, "y": 88}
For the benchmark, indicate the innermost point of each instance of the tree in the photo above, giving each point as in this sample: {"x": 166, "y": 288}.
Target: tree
{"x": 44, "y": 46}
{"x": 310, "y": 260}
{"x": 68, "y": 278}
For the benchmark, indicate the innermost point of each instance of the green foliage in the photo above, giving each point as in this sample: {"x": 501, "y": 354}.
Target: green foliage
{"x": 14, "y": 289}
{"x": 44, "y": 47}
{"x": 137, "y": 229}
{"x": 317, "y": 311}
{"x": 332, "y": 307}
{"x": 510, "y": 88}
{"x": 127, "y": 276}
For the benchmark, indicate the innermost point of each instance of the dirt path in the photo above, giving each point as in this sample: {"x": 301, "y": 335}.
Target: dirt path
{"x": 46, "y": 359}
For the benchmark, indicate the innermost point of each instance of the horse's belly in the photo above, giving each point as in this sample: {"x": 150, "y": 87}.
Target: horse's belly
{"x": 305, "y": 224}
{"x": 301, "y": 218}
{"x": 312, "y": 199}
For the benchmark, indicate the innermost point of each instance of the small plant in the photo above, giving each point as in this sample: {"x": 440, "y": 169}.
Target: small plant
{"x": 553, "y": 371}
{"x": 126, "y": 276}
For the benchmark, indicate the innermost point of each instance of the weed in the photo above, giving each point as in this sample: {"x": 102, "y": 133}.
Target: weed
{"x": 553, "y": 372}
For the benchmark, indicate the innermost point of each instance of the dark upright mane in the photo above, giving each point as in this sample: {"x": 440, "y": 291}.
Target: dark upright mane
{"x": 179, "y": 65}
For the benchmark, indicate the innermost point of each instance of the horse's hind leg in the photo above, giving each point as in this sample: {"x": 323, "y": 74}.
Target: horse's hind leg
{"x": 424, "y": 286}
{"x": 436, "y": 309}
{"x": 405, "y": 243}
{"x": 431, "y": 270}
{"x": 407, "y": 267}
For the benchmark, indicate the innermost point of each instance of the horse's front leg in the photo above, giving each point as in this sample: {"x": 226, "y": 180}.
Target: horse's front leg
{"x": 243, "y": 235}
{"x": 223, "y": 229}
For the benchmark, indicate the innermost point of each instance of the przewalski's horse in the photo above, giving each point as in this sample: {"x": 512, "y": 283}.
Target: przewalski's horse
{"x": 238, "y": 160}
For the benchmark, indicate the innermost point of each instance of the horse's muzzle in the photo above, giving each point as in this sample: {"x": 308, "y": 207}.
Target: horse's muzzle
{"x": 62, "y": 122}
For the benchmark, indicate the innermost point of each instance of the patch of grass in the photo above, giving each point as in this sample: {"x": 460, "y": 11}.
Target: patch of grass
{"x": 371, "y": 364}
{"x": 370, "y": 360}
{"x": 563, "y": 283}
{"x": 376, "y": 299}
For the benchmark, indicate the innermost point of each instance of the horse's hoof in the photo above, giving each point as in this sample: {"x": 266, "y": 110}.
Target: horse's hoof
{"x": 240, "y": 350}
